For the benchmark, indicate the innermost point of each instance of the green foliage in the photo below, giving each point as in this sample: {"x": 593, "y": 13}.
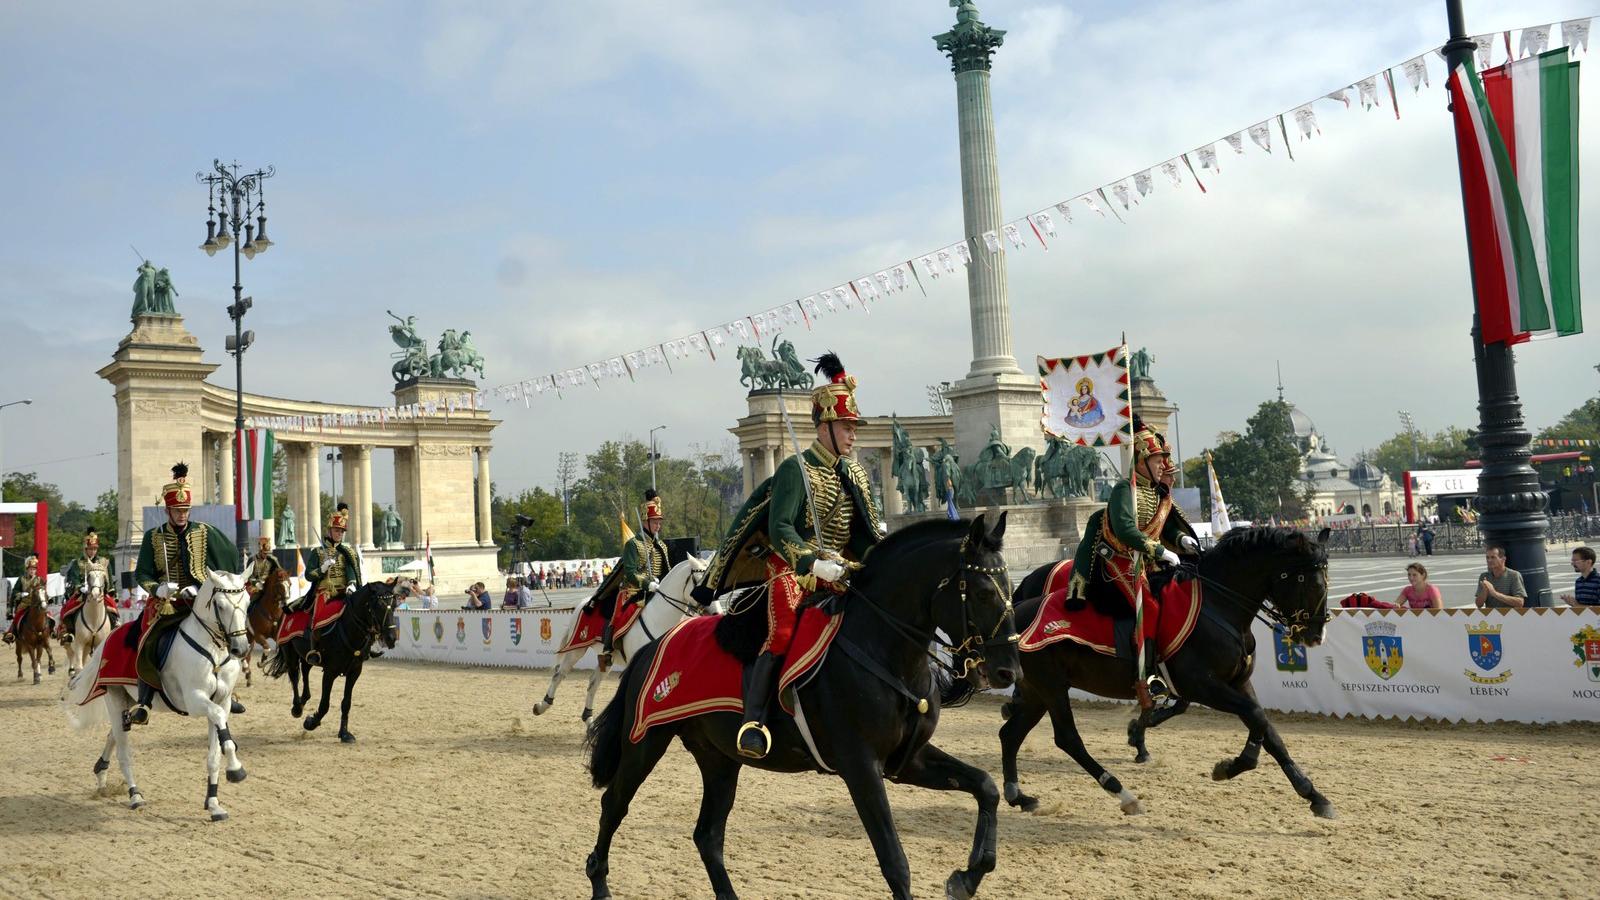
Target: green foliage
{"x": 68, "y": 521}
{"x": 1260, "y": 469}
{"x": 1447, "y": 449}
{"x": 1581, "y": 423}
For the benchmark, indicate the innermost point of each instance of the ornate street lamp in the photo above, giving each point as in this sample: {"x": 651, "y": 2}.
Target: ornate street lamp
{"x": 241, "y": 198}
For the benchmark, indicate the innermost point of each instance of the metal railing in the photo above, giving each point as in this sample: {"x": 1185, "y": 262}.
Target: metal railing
{"x": 1404, "y": 540}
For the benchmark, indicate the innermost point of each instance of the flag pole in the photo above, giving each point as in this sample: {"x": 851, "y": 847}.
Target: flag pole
{"x": 1508, "y": 490}
{"x": 1140, "y": 691}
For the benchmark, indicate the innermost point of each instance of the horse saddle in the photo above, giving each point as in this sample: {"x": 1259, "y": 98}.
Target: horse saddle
{"x": 156, "y": 645}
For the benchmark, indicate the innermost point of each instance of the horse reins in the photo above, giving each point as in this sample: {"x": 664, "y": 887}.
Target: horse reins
{"x": 1266, "y": 610}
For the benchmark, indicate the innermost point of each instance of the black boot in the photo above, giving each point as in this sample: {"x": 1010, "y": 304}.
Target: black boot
{"x": 607, "y": 645}
{"x": 1152, "y": 673}
{"x": 140, "y": 713}
{"x": 755, "y": 741}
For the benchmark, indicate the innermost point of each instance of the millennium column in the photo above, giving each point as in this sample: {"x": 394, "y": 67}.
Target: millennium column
{"x": 996, "y": 392}
{"x": 1511, "y": 502}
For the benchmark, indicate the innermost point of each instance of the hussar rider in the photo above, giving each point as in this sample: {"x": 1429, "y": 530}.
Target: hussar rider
{"x": 77, "y": 580}
{"x": 643, "y": 565}
{"x": 1140, "y": 531}
{"x": 262, "y": 566}
{"x": 30, "y": 591}
{"x": 775, "y": 538}
{"x": 173, "y": 559}
{"x": 333, "y": 571}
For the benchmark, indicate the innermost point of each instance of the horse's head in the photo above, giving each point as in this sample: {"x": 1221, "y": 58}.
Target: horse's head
{"x": 1280, "y": 566}
{"x": 986, "y": 636}
{"x": 221, "y": 606}
{"x": 374, "y": 604}
{"x": 94, "y": 585}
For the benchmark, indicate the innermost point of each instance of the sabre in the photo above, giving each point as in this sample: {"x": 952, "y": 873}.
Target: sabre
{"x": 805, "y": 475}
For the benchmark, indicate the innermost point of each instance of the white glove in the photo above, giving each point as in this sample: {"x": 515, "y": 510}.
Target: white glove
{"x": 828, "y": 570}
{"x": 1168, "y": 557}
{"x": 653, "y": 586}
{"x": 349, "y": 589}
{"x": 326, "y": 564}
{"x": 883, "y": 529}
{"x": 1189, "y": 544}
{"x": 189, "y": 593}
{"x": 164, "y": 590}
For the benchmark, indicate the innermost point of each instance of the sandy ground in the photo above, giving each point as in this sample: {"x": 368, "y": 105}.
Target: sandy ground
{"x": 455, "y": 790}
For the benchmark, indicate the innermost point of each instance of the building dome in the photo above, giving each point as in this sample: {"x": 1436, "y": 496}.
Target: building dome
{"x": 1366, "y": 473}
{"x": 1303, "y": 427}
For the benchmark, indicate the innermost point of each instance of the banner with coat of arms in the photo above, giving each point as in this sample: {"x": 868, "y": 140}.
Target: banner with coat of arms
{"x": 1086, "y": 398}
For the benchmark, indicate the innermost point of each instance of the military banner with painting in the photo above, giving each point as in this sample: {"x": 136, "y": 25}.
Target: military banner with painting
{"x": 1086, "y": 397}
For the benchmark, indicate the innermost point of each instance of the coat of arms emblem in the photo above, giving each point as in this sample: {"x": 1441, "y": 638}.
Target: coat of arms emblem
{"x": 665, "y": 687}
{"x": 516, "y": 630}
{"x": 461, "y": 630}
{"x": 1288, "y": 655}
{"x": 1486, "y": 650}
{"x": 488, "y": 629}
{"x": 1586, "y": 646}
{"x": 544, "y": 629}
{"x": 438, "y": 630}
{"x": 1382, "y": 649}
{"x": 416, "y": 630}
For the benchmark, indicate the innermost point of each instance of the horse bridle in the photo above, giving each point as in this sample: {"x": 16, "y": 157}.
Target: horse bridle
{"x": 1269, "y": 610}
{"x": 220, "y": 636}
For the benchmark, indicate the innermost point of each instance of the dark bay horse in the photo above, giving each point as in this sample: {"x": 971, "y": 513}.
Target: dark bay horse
{"x": 265, "y": 615}
{"x": 862, "y": 705}
{"x": 345, "y": 644}
{"x": 1273, "y": 571}
{"x": 33, "y": 638}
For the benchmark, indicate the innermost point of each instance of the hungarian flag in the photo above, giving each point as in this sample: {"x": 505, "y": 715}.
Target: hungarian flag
{"x": 427, "y": 552}
{"x": 252, "y": 460}
{"x": 1516, "y": 134}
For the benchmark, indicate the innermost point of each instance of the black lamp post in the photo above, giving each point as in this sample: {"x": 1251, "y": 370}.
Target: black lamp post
{"x": 241, "y": 198}
{"x": 1510, "y": 500}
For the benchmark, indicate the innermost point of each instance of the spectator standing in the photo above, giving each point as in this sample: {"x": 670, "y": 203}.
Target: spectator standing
{"x": 524, "y": 595}
{"x": 1425, "y": 536}
{"x": 430, "y": 600}
{"x": 1586, "y": 592}
{"x": 1500, "y": 587}
{"x": 1419, "y": 594}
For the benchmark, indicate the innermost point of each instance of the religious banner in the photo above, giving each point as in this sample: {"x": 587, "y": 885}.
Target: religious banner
{"x": 1086, "y": 397}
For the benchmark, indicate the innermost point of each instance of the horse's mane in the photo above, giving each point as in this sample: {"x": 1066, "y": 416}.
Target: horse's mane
{"x": 1259, "y": 539}
{"x": 910, "y": 539}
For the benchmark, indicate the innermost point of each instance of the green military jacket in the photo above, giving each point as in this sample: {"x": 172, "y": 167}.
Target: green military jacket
{"x": 644, "y": 559}
{"x": 1139, "y": 521}
{"x": 344, "y": 571}
{"x": 78, "y": 573}
{"x": 29, "y": 584}
{"x": 777, "y": 519}
{"x": 182, "y": 558}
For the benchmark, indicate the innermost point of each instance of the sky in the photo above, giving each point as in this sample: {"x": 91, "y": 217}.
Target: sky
{"x": 574, "y": 181}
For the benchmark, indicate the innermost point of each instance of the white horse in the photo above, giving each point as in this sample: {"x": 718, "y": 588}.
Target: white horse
{"x": 198, "y": 678}
{"x": 93, "y": 623}
{"x": 669, "y": 605}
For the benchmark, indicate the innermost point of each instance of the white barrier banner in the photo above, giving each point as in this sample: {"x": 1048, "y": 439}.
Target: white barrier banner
{"x": 1539, "y": 665}
{"x": 524, "y": 638}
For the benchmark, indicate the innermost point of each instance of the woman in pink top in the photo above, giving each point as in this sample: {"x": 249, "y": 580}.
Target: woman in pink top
{"x": 1419, "y": 594}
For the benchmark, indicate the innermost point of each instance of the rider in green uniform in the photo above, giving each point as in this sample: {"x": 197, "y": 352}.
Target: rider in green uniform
{"x": 333, "y": 570}
{"x": 642, "y": 566}
{"x": 30, "y": 590}
{"x": 77, "y": 579}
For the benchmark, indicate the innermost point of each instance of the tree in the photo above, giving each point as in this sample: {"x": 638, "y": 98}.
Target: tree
{"x": 1447, "y": 449}
{"x": 1582, "y": 423}
{"x": 1261, "y": 467}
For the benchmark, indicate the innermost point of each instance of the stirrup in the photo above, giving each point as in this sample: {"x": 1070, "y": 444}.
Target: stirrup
{"x": 138, "y": 714}
{"x": 603, "y": 661}
{"x": 314, "y": 655}
{"x": 766, "y": 740}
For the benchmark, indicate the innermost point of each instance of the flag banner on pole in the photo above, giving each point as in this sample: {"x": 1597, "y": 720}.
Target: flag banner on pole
{"x": 1535, "y": 107}
{"x": 252, "y": 459}
{"x": 1086, "y": 398}
{"x": 427, "y": 552}
{"x": 1220, "y": 522}
{"x": 627, "y": 533}
{"x": 1505, "y": 273}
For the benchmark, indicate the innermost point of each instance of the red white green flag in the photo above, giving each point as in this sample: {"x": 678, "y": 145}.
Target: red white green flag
{"x": 1521, "y": 220}
{"x": 252, "y": 459}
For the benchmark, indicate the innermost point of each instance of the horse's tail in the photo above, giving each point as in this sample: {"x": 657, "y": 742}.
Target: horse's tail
{"x": 604, "y": 738}
{"x": 81, "y": 716}
{"x": 279, "y": 660}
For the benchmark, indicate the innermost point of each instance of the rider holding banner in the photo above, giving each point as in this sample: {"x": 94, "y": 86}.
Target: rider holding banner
{"x": 642, "y": 566}
{"x": 1139, "y": 531}
{"x": 173, "y": 559}
{"x": 799, "y": 533}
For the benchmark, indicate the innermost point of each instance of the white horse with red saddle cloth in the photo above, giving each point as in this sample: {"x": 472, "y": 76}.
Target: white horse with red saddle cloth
{"x": 670, "y": 604}
{"x": 197, "y": 677}
{"x": 93, "y": 623}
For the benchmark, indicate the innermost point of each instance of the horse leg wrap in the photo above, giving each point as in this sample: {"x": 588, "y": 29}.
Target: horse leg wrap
{"x": 1013, "y": 790}
{"x": 211, "y": 791}
{"x": 101, "y": 764}
{"x": 225, "y": 737}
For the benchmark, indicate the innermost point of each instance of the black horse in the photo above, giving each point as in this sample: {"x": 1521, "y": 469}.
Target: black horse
{"x": 871, "y": 707}
{"x": 1247, "y": 569}
{"x": 368, "y": 619}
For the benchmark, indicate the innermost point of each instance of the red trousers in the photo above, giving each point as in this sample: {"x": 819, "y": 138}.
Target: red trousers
{"x": 783, "y": 605}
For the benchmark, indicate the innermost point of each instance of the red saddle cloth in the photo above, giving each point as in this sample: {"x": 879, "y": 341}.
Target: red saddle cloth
{"x": 74, "y": 604}
{"x": 591, "y": 626}
{"x": 692, "y": 675}
{"x": 294, "y": 624}
{"x": 1170, "y": 622}
{"x": 118, "y": 662}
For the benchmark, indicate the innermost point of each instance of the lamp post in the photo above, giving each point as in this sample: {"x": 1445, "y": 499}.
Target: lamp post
{"x": 241, "y": 197}
{"x": 334, "y": 457}
{"x": 1510, "y": 499}
{"x": 1177, "y": 444}
{"x": 28, "y": 402}
{"x": 653, "y": 455}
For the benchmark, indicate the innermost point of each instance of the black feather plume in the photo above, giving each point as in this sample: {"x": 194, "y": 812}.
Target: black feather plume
{"x": 1138, "y": 423}
{"x": 650, "y": 494}
{"x": 180, "y": 471}
{"x": 829, "y": 366}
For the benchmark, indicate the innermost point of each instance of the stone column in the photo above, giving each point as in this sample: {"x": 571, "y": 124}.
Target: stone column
{"x": 772, "y": 456}
{"x": 893, "y": 503}
{"x": 311, "y": 527}
{"x": 364, "y": 492}
{"x": 226, "y": 448}
{"x": 349, "y": 488}
{"x": 485, "y": 520}
{"x": 750, "y": 480}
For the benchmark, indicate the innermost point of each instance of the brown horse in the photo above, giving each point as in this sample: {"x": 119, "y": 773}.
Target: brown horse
{"x": 265, "y": 614}
{"x": 33, "y": 635}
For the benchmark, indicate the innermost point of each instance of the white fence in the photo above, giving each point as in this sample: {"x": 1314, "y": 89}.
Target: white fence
{"x": 1456, "y": 665}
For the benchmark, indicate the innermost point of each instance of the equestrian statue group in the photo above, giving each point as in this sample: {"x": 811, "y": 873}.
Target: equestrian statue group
{"x": 456, "y": 357}
{"x": 1066, "y": 469}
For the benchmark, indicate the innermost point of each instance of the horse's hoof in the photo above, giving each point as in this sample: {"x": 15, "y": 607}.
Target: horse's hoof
{"x": 1141, "y": 757}
{"x": 235, "y": 775}
{"x": 52, "y": 668}
{"x": 295, "y": 711}
{"x": 136, "y": 802}
{"x": 540, "y": 708}
{"x": 219, "y": 815}
{"x": 1324, "y": 810}
{"x": 235, "y": 708}
{"x": 1219, "y": 772}
{"x": 1132, "y": 807}
{"x": 311, "y": 723}
{"x": 346, "y": 737}
{"x": 587, "y": 714}
{"x": 37, "y": 679}
{"x": 955, "y": 887}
